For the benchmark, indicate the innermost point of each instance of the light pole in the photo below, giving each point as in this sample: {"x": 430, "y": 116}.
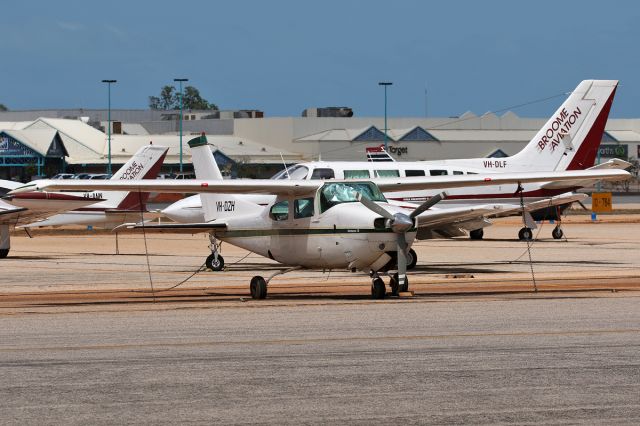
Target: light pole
{"x": 386, "y": 139}
{"x": 109, "y": 82}
{"x": 180, "y": 80}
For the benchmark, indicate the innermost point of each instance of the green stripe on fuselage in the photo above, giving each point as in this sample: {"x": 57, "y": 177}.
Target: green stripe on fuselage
{"x": 241, "y": 233}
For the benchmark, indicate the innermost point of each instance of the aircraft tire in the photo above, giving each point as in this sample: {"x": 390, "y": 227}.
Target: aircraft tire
{"x": 525, "y": 234}
{"x": 405, "y": 287}
{"x": 4, "y": 253}
{"x": 258, "y": 287}
{"x": 378, "y": 290}
{"x": 413, "y": 259}
{"x": 557, "y": 233}
{"x": 476, "y": 234}
{"x": 213, "y": 265}
{"x": 393, "y": 283}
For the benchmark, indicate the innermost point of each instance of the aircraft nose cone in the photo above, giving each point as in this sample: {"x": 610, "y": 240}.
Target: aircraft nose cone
{"x": 401, "y": 223}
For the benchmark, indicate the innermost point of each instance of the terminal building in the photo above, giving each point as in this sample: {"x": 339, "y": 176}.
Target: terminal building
{"x": 45, "y": 142}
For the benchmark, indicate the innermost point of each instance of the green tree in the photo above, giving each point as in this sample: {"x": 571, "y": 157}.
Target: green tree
{"x": 192, "y": 100}
{"x": 3, "y": 108}
{"x": 167, "y": 99}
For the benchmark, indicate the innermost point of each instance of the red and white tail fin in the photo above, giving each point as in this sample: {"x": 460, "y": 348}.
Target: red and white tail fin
{"x": 216, "y": 206}
{"x": 569, "y": 140}
{"x": 378, "y": 154}
{"x": 144, "y": 164}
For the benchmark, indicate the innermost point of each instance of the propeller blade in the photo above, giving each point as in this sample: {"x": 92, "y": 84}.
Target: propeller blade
{"x": 428, "y": 204}
{"x": 373, "y": 206}
{"x": 402, "y": 259}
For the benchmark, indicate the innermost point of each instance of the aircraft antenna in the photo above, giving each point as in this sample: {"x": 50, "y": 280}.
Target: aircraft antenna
{"x": 286, "y": 169}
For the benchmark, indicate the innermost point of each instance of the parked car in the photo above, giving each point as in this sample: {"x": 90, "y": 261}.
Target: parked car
{"x": 166, "y": 176}
{"x": 185, "y": 175}
{"x": 104, "y": 176}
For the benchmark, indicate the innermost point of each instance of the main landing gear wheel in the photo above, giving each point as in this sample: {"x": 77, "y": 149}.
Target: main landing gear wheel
{"x": 378, "y": 289}
{"x": 405, "y": 287}
{"x": 396, "y": 288}
{"x": 476, "y": 234}
{"x": 557, "y": 233}
{"x": 4, "y": 253}
{"x": 525, "y": 234}
{"x": 412, "y": 259}
{"x": 258, "y": 287}
{"x": 213, "y": 263}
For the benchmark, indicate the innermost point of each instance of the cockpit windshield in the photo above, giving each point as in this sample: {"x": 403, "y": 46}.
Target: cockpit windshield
{"x": 295, "y": 172}
{"x": 332, "y": 194}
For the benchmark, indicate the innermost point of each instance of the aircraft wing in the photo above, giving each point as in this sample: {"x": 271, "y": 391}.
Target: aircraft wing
{"x": 303, "y": 187}
{"x": 31, "y": 207}
{"x": 434, "y": 218}
{"x": 176, "y": 228}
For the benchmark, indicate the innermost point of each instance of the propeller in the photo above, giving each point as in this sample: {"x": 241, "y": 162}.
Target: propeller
{"x": 400, "y": 223}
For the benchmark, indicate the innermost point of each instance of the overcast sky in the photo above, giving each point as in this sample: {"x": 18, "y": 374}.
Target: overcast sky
{"x": 284, "y": 56}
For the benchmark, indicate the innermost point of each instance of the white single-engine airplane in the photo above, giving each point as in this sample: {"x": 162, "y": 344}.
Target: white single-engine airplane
{"x": 32, "y": 210}
{"x": 569, "y": 140}
{"x": 320, "y": 224}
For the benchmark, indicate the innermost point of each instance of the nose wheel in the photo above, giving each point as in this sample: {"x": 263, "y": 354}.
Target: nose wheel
{"x": 215, "y": 261}
{"x": 525, "y": 234}
{"x": 557, "y": 233}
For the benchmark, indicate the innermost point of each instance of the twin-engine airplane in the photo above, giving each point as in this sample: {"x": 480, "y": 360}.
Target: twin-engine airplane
{"x": 569, "y": 140}
{"x": 319, "y": 224}
{"x": 31, "y": 210}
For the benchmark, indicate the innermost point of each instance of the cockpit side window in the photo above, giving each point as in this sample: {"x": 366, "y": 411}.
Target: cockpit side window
{"x": 323, "y": 173}
{"x": 279, "y": 211}
{"x": 303, "y": 207}
{"x": 295, "y": 172}
{"x": 346, "y": 192}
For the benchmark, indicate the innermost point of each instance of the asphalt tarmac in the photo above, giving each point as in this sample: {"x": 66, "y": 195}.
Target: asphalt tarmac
{"x": 82, "y": 340}
{"x": 552, "y": 360}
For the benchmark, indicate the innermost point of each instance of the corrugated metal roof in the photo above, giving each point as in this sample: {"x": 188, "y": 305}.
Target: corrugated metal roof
{"x": 38, "y": 140}
{"x": 87, "y": 145}
{"x": 625, "y": 135}
{"x": 347, "y": 135}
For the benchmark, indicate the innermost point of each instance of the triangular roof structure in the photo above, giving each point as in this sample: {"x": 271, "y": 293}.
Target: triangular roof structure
{"x": 416, "y": 133}
{"x": 38, "y": 140}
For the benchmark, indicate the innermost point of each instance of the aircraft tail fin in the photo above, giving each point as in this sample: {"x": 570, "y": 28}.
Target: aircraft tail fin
{"x": 378, "y": 154}
{"x": 216, "y": 206}
{"x": 569, "y": 140}
{"x": 144, "y": 164}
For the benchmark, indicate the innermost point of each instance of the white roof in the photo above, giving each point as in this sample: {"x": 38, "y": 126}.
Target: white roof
{"x": 475, "y": 135}
{"x": 625, "y": 135}
{"x": 88, "y": 145}
{"x": 38, "y": 140}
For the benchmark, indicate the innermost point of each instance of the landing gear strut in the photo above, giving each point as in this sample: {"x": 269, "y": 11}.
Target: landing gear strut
{"x": 258, "y": 285}
{"x": 214, "y": 261}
